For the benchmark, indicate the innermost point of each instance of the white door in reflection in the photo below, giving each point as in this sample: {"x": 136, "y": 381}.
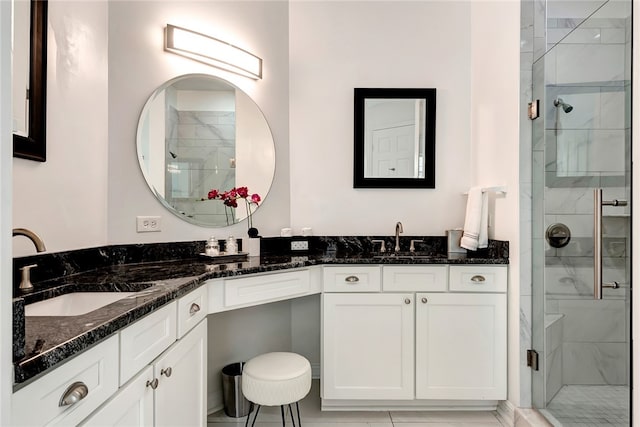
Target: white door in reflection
{"x": 393, "y": 151}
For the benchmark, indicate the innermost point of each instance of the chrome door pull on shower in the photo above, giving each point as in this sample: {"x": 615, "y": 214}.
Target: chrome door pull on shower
{"x": 598, "y": 203}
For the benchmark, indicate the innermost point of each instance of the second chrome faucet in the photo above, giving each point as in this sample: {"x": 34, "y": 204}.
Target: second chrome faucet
{"x": 398, "y": 231}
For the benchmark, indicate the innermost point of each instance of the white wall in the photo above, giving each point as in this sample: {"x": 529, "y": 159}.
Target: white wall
{"x": 63, "y": 200}
{"x": 338, "y": 46}
{"x": 495, "y": 112}
{"x": 6, "y": 151}
{"x": 138, "y": 64}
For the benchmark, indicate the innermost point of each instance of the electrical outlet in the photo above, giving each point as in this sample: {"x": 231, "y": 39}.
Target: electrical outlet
{"x": 145, "y": 224}
{"x": 299, "y": 245}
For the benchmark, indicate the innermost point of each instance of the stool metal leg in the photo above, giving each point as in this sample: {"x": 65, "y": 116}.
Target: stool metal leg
{"x": 246, "y": 424}
{"x": 282, "y": 413}
{"x": 298, "y": 409}
{"x": 254, "y": 417}
{"x": 291, "y": 413}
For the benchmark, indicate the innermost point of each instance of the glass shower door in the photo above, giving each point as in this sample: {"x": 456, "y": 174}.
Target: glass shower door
{"x": 582, "y": 151}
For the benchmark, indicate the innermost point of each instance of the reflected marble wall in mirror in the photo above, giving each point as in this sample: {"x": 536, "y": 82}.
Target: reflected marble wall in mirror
{"x": 394, "y": 143}
{"x": 197, "y": 133}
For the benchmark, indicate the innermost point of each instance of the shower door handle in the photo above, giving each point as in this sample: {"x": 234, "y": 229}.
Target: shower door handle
{"x": 598, "y": 203}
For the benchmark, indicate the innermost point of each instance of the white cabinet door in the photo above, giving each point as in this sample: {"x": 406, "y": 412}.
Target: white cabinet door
{"x": 461, "y": 346}
{"x": 180, "y": 398}
{"x": 368, "y": 346}
{"x": 131, "y": 406}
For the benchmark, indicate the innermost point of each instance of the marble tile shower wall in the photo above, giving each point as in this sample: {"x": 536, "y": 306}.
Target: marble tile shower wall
{"x": 201, "y": 135}
{"x": 595, "y": 334}
{"x": 585, "y": 149}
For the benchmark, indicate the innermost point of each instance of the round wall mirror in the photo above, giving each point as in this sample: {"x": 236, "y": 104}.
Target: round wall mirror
{"x": 199, "y": 133}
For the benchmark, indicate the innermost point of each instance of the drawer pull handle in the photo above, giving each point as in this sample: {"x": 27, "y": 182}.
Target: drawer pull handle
{"x": 153, "y": 383}
{"x": 194, "y": 309}
{"x": 478, "y": 279}
{"x": 352, "y": 279}
{"x": 73, "y": 394}
{"x": 166, "y": 372}
{"x": 407, "y": 300}
{"x": 424, "y": 300}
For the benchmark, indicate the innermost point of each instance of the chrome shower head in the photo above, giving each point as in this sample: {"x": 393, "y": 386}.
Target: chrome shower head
{"x": 565, "y": 107}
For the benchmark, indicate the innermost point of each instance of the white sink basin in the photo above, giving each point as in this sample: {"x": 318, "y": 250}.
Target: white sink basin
{"x": 74, "y": 304}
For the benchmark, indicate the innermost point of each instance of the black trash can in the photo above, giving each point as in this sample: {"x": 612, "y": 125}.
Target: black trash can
{"x": 235, "y": 404}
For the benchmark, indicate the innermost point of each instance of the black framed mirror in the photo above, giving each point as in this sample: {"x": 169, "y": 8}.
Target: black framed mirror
{"x": 33, "y": 146}
{"x": 394, "y": 138}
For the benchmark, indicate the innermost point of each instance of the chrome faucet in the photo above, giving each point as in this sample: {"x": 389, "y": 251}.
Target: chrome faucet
{"x": 37, "y": 241}
{"x": 25, "y": 283}
{"x": 398, "y": 231}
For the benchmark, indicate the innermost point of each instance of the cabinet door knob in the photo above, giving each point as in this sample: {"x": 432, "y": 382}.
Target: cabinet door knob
{"x": 153, "y": 383}
{"x": 166, "y": 371}
{"x": 73, "y": 394}
{"x": 194, "y": 309}
{"x": 351, "y": 279}
{"x": 407, "y": 300}
{"x": 478, "y": 278}
{"x": 424, "y": 300}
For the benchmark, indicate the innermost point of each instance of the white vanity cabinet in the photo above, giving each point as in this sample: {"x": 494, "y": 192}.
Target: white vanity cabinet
{"x": 368, "y": 350}
{"x": 169, "y": 392}
{"x": 132, "y": 405}
{"x": 461, "y": 346}
{"x": 433, "y": 332}
{"x": 169, "y": 384}
{"x": 181, "y": 394}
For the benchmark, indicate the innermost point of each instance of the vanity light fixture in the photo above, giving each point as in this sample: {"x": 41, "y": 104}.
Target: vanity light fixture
{"x": 212, "y": 51}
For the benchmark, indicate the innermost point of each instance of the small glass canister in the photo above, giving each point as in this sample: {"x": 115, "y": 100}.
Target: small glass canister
{"x": 231, "y": 247}
{"x": 211, "y": 248}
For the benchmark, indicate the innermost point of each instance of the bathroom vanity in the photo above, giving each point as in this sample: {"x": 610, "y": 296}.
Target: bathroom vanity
{"x": 413, "y": 335}
{"x": 413, "y": 332}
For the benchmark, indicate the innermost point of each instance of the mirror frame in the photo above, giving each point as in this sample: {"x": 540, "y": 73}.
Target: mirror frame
{"x": 34, "y": 146}
{"x": 359, "y": 180}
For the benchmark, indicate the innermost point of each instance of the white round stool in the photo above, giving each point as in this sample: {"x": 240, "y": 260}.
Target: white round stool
{"x": 276, "y": 379}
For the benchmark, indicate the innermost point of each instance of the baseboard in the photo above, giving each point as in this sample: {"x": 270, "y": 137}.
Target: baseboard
{"x": 505, "y": 412}
{"x": 529, "y": 417}
{"x": 315, "y": 371}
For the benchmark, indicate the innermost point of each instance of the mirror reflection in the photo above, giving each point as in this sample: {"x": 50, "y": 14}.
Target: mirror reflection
{"x": 394, "y": 138}
{"x": 198, "y": 133}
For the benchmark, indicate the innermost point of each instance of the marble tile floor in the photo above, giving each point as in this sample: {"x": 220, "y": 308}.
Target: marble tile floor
{"x": 312, "y": 416}
{"x": 590, "y": 406}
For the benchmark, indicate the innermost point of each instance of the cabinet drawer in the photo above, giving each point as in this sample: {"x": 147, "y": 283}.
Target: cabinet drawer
{"x": 265, "y": 288}
{"x": 192, "y": 308}
{"x": 38, "y": 403}
{"x": 352, "y": 279}
{"x": 143, "y": 341}
{"x": 418, "y": 278}
{"x": 477, "y": 278}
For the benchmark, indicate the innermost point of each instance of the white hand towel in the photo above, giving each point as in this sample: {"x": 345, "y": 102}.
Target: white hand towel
{"x": 475, "y": 234}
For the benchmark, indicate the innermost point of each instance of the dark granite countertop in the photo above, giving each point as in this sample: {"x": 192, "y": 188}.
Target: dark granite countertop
{"x": 48, "y": 341}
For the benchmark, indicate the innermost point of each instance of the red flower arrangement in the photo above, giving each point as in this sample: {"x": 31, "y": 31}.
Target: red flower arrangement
{"x": 230, "y": 198}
